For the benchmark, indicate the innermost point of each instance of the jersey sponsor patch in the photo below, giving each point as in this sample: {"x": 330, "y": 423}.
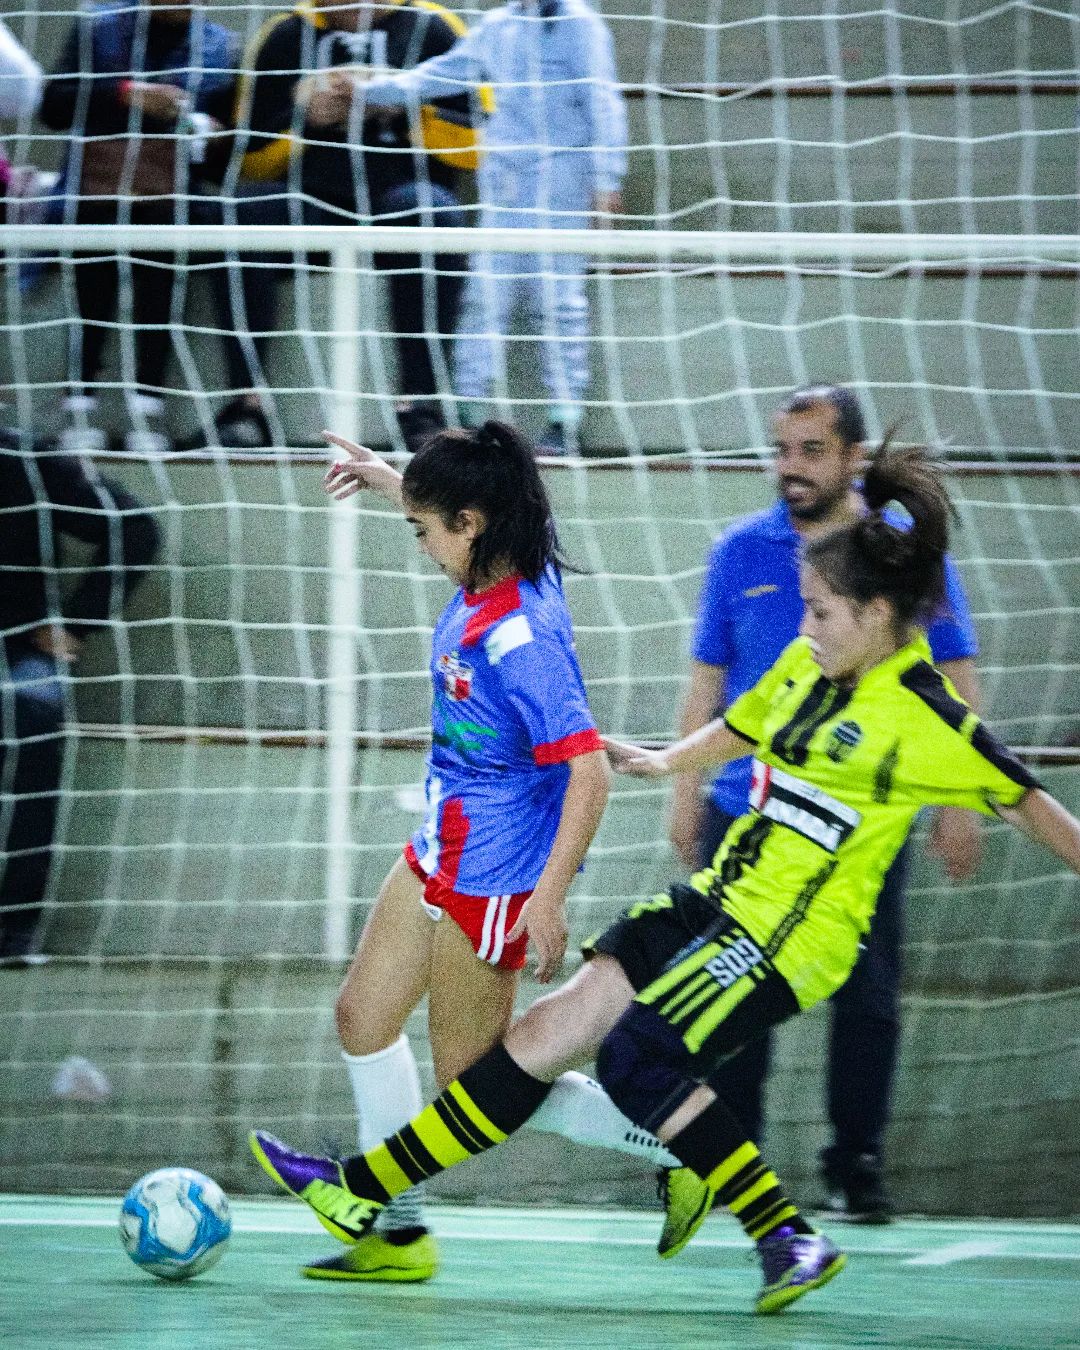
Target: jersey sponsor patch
{"x": 507, "y": 637}
{"x": 801, "y": 806}
{"x": 457, "y": 676}
{"x": 734, "y": 962}
{"x": 843, "y": 739}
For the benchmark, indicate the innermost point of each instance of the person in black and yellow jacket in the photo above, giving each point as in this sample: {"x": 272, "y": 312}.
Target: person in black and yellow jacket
{"x": 311, "y": 155}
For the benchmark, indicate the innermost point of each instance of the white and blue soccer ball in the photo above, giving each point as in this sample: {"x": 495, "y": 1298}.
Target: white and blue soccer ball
{"x": 174, "y": 1223}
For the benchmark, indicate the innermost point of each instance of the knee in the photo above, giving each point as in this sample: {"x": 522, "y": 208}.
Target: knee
{"x": 617, "y": 1064}
{"x": 637, "y": 1062}
{"x": 360, "y": 1029}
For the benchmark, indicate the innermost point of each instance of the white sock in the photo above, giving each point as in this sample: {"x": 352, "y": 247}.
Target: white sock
{"x": 578, "y": 1108}
{"x": 386, "y": 1090}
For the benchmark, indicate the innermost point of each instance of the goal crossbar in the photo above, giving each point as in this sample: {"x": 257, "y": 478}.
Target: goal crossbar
{"x": 733, "y": 246}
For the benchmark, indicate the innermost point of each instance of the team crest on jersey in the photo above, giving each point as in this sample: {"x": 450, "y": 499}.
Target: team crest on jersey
{"x": 457, "y": 677}
{"x": 843, "y": 739}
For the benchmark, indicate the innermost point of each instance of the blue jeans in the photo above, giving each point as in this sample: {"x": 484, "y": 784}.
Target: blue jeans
{"x": 31, "y": 759}
{"x": 864, "y": 1028}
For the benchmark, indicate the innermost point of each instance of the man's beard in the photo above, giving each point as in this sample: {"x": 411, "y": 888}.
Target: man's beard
{"x": 815, "y": 508}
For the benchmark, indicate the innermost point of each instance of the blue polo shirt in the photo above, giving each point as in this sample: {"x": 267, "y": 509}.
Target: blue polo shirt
{"x": 750, "y": 609}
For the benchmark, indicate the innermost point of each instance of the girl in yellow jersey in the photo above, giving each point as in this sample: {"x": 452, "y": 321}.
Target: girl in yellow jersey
{"x": 853, "y": 731}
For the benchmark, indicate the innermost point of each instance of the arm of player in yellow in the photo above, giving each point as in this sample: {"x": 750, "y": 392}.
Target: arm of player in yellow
{"x": 1045, "y": 820}
{"x": 955, "y": 834}
{"x": 712, "y": 745}
{"x": 685, "y": 810}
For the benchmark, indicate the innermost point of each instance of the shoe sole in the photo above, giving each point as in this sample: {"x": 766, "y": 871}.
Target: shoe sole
{"x": 778, "y": 1301}
{"x": 378, "y": 1275}
{"x": 666, "y": 1253}
{"x": 271, "y": 1171}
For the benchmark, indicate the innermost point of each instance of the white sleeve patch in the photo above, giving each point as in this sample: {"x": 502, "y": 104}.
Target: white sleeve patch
{"x": 504, "y": 637}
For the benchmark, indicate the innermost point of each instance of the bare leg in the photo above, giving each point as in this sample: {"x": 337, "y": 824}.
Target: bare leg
{"x": 391, "y": 970}
{"x": 469, "y": 1004}
{"x": 564, "y": 1029}
{"x": 387, "y": 979}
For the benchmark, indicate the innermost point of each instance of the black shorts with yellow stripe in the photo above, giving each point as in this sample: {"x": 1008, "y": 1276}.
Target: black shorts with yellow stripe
{"x": 696, "y": 967}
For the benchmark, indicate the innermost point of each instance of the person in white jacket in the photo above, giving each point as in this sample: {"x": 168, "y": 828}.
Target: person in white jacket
{"x": 21, "y": 82}
{"x": 554, "y": 154}
{"x": 20, "y": 77}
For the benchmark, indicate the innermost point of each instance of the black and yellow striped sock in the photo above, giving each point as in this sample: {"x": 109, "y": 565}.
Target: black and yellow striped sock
{"x": 491, "y": 1099}
{"x": 714, "y": 1145}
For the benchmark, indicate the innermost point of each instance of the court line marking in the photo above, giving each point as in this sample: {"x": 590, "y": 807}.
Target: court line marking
{"x": 511, "y": 1226}
{"x": 956, "y": 1251}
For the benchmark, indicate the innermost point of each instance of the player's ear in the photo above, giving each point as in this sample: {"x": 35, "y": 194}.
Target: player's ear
{"x": 881, "y": 611}
{"x": 470, "y": 521}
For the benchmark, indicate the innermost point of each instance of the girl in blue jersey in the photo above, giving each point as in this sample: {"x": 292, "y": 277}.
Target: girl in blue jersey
{"x": 852, "y": 731}
{"x": 516, "y": 785}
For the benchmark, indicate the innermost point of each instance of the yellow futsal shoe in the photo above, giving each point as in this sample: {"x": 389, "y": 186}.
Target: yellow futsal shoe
{"x": 320, "y": 1183}
{"x": 687, "y": 1201}
{"x": 376, "y": 1257}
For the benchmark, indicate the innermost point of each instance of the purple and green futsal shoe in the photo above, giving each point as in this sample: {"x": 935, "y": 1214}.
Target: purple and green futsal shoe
{"x": 319, "y": 1182}
{"x": 793, "y": 1264}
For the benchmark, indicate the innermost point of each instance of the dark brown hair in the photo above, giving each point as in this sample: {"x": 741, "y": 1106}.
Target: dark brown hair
{"x": 492, "y": 470}
{"x": 897, "y": 550}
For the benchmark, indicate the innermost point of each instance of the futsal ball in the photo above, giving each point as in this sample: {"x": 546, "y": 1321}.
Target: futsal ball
{"x": 174, "y": 1223}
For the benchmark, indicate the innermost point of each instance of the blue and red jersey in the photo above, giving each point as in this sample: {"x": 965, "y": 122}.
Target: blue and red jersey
{"x": 508, "y": 713}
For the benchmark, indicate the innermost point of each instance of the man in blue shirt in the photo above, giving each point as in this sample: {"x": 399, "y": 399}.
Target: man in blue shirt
{"x": 749, "y": 610}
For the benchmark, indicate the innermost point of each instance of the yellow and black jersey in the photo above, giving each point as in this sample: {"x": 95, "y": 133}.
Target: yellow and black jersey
{"x": 290, "y": 46}
{"x": 839, "y": 775}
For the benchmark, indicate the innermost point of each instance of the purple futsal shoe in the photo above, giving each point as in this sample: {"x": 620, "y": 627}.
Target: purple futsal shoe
{"x": 320, "y": 1183}
{"x": 793, "y": 1264}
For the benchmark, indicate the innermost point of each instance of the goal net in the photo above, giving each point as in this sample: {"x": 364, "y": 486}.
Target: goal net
{"x": 880, "y": 196}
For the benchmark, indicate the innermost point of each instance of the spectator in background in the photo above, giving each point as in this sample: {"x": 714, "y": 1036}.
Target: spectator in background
{"x": 20, "y": 94}
{"x": 44, "y": 495}
{"x": 128, "y": 84}
{"x": 554, "y": 155}
{"x": 750, "y": 609}
{"x": 314, "y": 157}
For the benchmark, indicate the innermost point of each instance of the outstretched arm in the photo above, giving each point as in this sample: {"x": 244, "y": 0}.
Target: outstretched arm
{"x": 1045, "y": 820}
{"x": 361, "y": 468}
{"x": 712, "y": 745}
{"x": 686, "y": 810}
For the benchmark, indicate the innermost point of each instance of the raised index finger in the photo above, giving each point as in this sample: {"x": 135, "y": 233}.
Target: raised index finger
{"x": 350, "y": 447}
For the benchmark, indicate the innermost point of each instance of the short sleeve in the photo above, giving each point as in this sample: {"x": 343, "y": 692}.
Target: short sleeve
{"x": 746, "y": 716}
{"x": 712, "y": 641}
{"x": 978, "y": 773}
{"x": 955, "y": 760}
{"x": 542, "y": 682}
{"x": 951, "y": 634}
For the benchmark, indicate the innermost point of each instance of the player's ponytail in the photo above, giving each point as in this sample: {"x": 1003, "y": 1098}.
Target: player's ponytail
{"x": 897, "y": 550}
{"x": 493, "y": 470}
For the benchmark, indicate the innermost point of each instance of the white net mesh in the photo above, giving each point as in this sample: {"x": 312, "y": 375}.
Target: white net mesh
{"x": 220, "y": 835}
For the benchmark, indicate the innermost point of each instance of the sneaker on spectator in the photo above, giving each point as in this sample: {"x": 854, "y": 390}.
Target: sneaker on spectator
{"x": 416, "y": 423}
{"x": 854, "y": 1188}
{"x": 79, "y": 435}
{"x": 238, "y": 426}
{"x": 146, "y": 433}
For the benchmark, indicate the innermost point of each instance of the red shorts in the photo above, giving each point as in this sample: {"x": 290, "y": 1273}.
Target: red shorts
{"x": 484, "y": 919}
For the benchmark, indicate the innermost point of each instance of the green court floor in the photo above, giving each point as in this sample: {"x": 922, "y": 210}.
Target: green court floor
{"x": 532, "y": 1279}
